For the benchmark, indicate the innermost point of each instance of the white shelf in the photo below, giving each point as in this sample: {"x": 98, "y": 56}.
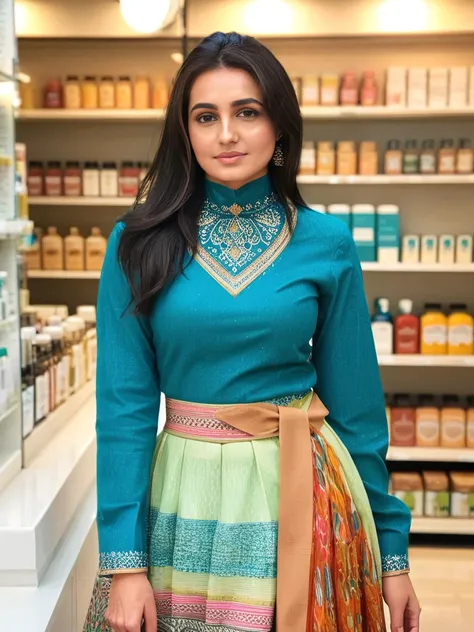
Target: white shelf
{"x": 91, "y": 115}
{"x": 416, "y": 267}
{"x": 308, "y": 113}
{"x": 12, "y": 228}
{"x": 8, "y": 412}
{"x": 449, "y": 526}
{"x": 63, "y": 274}
{"x": 47, "y": 429}
{"x": 8, "y": 322}
{"x": 80, "y": 201}
{"x": 426, "y": 360}
{"x": 387, "y": 179}
{"x": 435, "y": 455}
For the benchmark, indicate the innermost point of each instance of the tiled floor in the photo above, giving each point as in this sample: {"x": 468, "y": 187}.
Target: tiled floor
{"x": 444, "y": 582}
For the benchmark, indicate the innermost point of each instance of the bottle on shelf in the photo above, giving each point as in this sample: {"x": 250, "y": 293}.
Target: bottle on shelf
{"x": 107, "y": 93}
{"x": 465, "y": 157}
{"x": 407, "y": 329}
{"x": 464, "y": 249}
{"x": 393, "y": 158}
{"x": 96, "y": 245}
{"x": 88, "y": 315}
{"x": 310, "y": 90}
{"x": 109, "y": 180}
{"x": 90, "y": 93}
{"x": 160, "y": 94}
{"x": 369, "y": 89}
{"x": 446, "y": 249}
{"x": 436, "y": 486}
{"x": 346, "y": 158}
{"x": 460, "y": 330}
{"x": 72, "y": 179}
{"x": 53, "y": 95}
{"x": 326, "y": 159}
{"x": 124, "y": 97}
{"x": 42, "y": 345}
{"x": 382, "y": 327}
{"x": 33, "y": 252}
{"x": 59, "y": 370}
{"x": 91, "y": 179}
{"x": 53, "y": 181}
{"x": 462, "y": 494}
{"x": 428, "y": 157}
{"x": 27, "y": 335}
{"x": 429, "y": 249}
{"x": 403, "y": 421}
{"x": 447, "y": 157}
{"x": 53, "y": 250}
{"x": 453, "y": 423}
{"x": 411, "y": 157}
{"x": 408, "y": 487}
{"x": 74, "y": 250}
{"x": 433, "y": 330}
{"x": 128, "y": 181}
{"x": 141, "y": 93}
{"x": 308, "y": 159}
{"x": 368, "y": 159}
{"x": 428, "y": 426}
{"x": 72, "y": 93}
{"x": 330, "y": 89}
{"x": 349, "y": 89}
{"x": 35, "y": 178}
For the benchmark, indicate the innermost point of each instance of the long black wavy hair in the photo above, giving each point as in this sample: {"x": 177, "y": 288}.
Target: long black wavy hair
{"x": 163, "y": 223}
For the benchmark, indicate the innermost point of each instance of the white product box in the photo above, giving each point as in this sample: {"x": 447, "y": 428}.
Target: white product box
{"x": 417, "y": 87}
{"x": 438, "y": 88}
{"x": 458, "y": 77}
{"x": 446, "y": 249}
{"x": 429, "y": 249}
{"x": 396, "y": 87}
{"x": 464, "y": 249}
{"x": 411, "y": 249}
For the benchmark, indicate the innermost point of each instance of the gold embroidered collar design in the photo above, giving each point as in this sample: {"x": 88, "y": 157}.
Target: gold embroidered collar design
{"x": 237, "y": 244}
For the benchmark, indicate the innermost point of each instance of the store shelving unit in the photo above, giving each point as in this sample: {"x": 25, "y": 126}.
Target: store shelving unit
{"x": 309, "y": 113}
{"x": 443, "y": 526}
{"x": 63, "y": 274}
{"x": 383, "y": 179}
{"x": 435, "y": 455}
{"x": 419, "y": 360}
{"x": 81, "y": 201}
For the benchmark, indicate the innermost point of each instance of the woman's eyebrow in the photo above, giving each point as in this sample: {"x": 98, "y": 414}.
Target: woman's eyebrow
{"x": 212, "y": 106}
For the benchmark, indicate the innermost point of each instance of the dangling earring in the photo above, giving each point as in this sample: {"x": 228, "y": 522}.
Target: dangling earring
{"x": 278, "y": 155}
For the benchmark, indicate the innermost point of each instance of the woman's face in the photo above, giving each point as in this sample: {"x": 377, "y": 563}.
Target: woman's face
{"x": 231, "y": 134}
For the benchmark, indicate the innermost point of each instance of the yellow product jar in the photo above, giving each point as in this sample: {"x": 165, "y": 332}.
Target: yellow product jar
{"x": 107, "y": 93}
{"x": 434, "y": 330}
{"x": 141, "y": 93}
{"x": 90, "y": 93}
{"x": 460, "y": 331}
{"x": 124, "y": 93}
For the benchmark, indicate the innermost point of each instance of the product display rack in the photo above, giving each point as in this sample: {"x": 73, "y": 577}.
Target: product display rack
{"x": 308, "y": 113}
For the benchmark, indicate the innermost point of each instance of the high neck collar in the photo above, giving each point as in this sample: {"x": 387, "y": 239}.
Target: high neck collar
{"x": 247, "y": 199}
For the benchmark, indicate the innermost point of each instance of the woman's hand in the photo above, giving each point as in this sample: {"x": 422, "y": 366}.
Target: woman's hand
{"x": 131, "y": 601}
{"x": 404, "y": 608}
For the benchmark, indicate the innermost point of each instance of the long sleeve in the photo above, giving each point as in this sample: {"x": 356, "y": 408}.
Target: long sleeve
{"x": 348, "y": 382}
{"x": 128, "y": 399}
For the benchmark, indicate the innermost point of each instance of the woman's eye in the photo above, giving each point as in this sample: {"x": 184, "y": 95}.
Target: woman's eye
{"x": 206, "y": 118}
{"x": 247, "y": 113}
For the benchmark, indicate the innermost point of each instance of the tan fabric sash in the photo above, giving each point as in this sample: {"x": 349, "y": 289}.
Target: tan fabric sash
{"x": 295, "y": 530}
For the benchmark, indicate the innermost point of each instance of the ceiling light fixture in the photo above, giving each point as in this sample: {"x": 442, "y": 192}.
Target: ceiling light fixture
{"x": 149, "y": 16}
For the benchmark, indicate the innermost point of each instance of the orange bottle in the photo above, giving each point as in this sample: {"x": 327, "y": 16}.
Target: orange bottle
{"x": 434, "y": 330}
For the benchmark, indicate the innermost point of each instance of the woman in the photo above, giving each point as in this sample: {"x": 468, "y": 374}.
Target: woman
{"x": 211, "y": 290}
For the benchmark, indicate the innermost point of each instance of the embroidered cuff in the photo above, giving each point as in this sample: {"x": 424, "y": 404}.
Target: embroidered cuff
{"x": 395, "y": 565}
{"x": 123, "y": 562}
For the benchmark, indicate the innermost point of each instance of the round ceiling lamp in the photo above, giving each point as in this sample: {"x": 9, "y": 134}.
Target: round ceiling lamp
{"x": 149, "y": 16}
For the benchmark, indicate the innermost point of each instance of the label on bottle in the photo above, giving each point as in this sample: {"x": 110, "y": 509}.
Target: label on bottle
{"x": 90, "y": 180}
{"x": 53, "y": 185}
{"x": 40, "y": 397}
{"x": 92, "y": 358}
{"x": 308, "y": 159}
{"x": 460, "y": 335}
{"x": 383, "y": 337}
{"x": 427, "y": 163}
{"x": 107, "y": 95}
{"x": 28, "y": 403}
{"x": 459, "y": 505}
{"x": 47, "y": 392}
{"x": 427, "y": 431}
{"x": 446, "y": 162}
{"x": 77, "y": 361}
{"x": 393, "y": 162}
{"x": 453, "y": 432}
{"x": 72, "y": 96}
{"x": 35, "y": 185}
{"x": 437, "y": 504}
{"x": 435, "y": 334}
{"x": 72, "y": 186}
{"x": 363, "y": 235}
{"x": 109, "y": 183}
{"x": 63, "y": 378}
{"x": 328, "y": 95}
{"x": 128, "y": 186}
{"x": 465, "y": 161}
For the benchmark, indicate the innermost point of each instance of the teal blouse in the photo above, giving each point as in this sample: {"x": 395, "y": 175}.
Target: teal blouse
{"x": 257, "y": 315}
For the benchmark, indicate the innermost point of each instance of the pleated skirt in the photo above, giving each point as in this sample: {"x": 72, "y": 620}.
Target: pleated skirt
{"x": 213, "y": 534}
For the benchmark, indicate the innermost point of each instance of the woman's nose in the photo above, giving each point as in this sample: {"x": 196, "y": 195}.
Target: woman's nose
{"x": 227, "y": 131}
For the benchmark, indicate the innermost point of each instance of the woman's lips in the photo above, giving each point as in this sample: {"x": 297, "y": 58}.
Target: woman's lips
{"x": 229, "y": 158}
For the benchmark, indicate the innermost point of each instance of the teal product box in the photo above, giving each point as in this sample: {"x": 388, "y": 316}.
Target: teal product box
{"x": 363, "y": 231}
{"x": 342, "y": 211}
{"x": 388, "y": 234}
